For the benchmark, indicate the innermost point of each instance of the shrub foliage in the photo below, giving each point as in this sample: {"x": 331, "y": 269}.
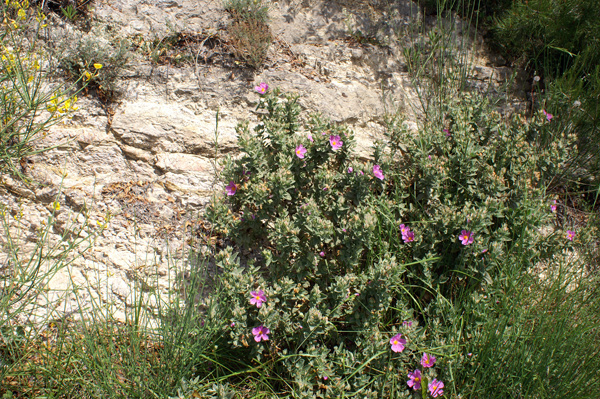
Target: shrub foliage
{"x": 342, "y": 252}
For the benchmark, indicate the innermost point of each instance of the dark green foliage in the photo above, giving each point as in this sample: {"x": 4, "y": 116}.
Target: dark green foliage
{"x": 548, "y": 36}
{"x": 574, "y": 98}
{"x": 476, "y": 10}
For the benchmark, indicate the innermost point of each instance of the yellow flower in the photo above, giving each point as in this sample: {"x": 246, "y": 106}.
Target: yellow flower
{"x": 52, "y": 104}
{"x": 56, "y": 205}
{"x": 97, "y": 66}
{"x": 87, "y": 75}
{"x": 21, "y": 14}
{"x": 41, "y": 17}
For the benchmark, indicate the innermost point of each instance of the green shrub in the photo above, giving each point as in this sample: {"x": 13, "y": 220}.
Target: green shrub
{"x": 548, "y": 35}
{"x": 82, "y": 54}
{"x": 248, "y": 9}
{"x": 250, "y": 36}
{"x": 573, "y": 99}
{"x": 321, "y": 237}
{"x": 475, "y": 172}
{"x": 302, "y": 213}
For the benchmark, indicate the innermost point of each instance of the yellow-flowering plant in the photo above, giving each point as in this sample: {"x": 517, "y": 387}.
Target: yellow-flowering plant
{"x": 28, "y": 104}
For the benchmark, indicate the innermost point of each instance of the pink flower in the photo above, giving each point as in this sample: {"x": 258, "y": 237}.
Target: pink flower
{"x": 570, "y": 235}
{"x": 350, "y": 169}
{"x": 435, "y": 387}
{"x": 310, "y": 138}
{"x": 427, "y": 360}
{"x": 407, "y": 323}
{"x": 261, "y": 333}
{"x": 553, "y": 206}
{"x": 231, "y": 188}
{"x": 261, "y": 88}
{"x": 548, "y": 115}
{"x": 258, "y": 297}
{"x": 448, "y": 134}
{"x": 407, "y": 235}
{"x": 377, "y": 172}
{"x": 322, "y": 254}
{"x": 336, "y": 142}
{"x": 300, "y": 151}
{"x": 397, "y": 343}
{"x": 466, "y": 237}
{"x": 415, "y": 380}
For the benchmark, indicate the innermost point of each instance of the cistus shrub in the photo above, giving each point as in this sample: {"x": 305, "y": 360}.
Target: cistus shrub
{"x": 308, "y": 300}
{"x": 330, "y": 255}
{"x": 473, "y": 190}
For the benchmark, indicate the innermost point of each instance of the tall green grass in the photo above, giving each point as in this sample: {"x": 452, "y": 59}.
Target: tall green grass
{"x": 534, "y": 335}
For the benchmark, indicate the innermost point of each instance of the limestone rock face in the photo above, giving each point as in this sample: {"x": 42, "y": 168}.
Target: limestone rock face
{"x": 132, "y": 175}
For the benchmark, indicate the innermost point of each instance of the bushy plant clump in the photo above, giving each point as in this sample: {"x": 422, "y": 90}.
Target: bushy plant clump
{"x": 102, "y": 48}
{"x": 472, "y": 187}
{"x": 573, "y": 101}
{"x": 337, "y": 254}
{"x": 559, "y": 43}
{"x": 326, "y": 307}
{"x": 548, "y": 35}
{"x": 250, "y": 35}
